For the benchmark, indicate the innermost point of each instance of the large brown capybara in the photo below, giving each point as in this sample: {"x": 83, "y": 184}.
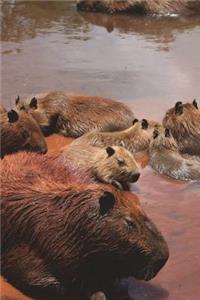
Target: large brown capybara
{"x": 62, "y": 233}
{"x": 145, "y": 7}
{"x": 114, "y": 165}
{"x": 19, "y": 131}
{"x": 166, "y": 159}
{"x": 183, "y": 120}
{"x": 74, "y": 115}
{"x": 135, "y": 139}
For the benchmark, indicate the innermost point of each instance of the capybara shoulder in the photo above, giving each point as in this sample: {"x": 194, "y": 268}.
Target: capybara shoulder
{"x": 19, "y": 131}
{"x": 183, "y": 120}
{"x": 166, "y": 159}
{"x": 67, "y": 232}
{"x": 73, "y": 115}
{"x": 114, "y": 165}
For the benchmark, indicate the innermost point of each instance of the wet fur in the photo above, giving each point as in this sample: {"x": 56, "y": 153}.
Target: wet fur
{"x": 74, "y": 115}
{"x": 185, "y": 128}
{"x": 162, "y": 7}
{"x": 52, "y": 222}
{"x": 166, "y": 159}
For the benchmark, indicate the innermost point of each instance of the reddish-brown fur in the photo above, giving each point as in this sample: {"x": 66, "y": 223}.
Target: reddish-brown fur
{"x": 74, "y": 115}
{"x": 61, "y": 232}
{"x": 183, "y": 120}
{"x": 21, "y": 134}
{"x": 161, "y": 7}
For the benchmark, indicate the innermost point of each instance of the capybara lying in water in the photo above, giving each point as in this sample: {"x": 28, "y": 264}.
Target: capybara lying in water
{"x": 74, "y": 115}
{"x": 183, "y": 120}
{"x": 150, "y": 7}
{"x": 135, "y": 139}
{"x": 62, "y": 233}
{"x": 19, "y": 131}
{"x": 114, "y": 165}
{"x": 166, "y": 159}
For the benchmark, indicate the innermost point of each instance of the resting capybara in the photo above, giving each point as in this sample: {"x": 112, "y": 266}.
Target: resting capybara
{"x": 19, "y": 131}
{"x": 61, "y": 233}
{"x": 134, "y": 139}
{"x": 166, "y": 159}
{"x": 74, "y": 115}
{"x": 183, "y": 120}
{"x": 150, "y": 7}
{"x": 114, "y": 165}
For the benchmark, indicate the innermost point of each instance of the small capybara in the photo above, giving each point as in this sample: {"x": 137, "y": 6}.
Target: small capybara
{"x": 150, "y": 7}
{"x": 135, "y": 139}
{"x": 74, "y": 115}
{"x": 62, "y": 233}
{"x": 183, "y": 120}
{"x": 19, "y": 131}
{"x": 114, "y": 165}
{"x": 166, "y": 159}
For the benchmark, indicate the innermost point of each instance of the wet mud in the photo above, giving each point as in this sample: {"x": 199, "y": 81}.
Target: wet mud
{"x": 149, "y": 64}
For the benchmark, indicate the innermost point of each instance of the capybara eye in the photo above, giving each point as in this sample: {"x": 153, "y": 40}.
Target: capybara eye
{"x": 155, "y": 134}
{"x": 121, "y": 162}
{"x": 25, "y": 133}
{"x": 130, "y": 222}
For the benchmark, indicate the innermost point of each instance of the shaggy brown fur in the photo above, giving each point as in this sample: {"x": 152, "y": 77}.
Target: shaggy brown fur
{"x": 134, "y": 139}
{"x": 166, "y": 159}
{"x": 161, "y": 7}
{"x": 184, "y": 122}
{"x": 2, "y": 109}
{"x": 74, "y": 115}
{"x": 20, "y": 131}
{"x": 61, "y": 232}
{"x": 113, "y": 165}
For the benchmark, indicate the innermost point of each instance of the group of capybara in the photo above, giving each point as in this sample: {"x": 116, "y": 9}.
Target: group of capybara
{"x": 68, "y": 223}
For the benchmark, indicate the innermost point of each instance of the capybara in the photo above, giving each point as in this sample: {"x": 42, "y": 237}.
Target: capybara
{"x": 61, "y": 233}
{"x": 166, "y": 159}
{"x": 183, "y": 120}
{"x": 114, "y": 165}
{"x": 135, "y": 139}
{"x": 74, "y": 115}
{"x": 150, "y": 7}
{"x": 19, "y": 131}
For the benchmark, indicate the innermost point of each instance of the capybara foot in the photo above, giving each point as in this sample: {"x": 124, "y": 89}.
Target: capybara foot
{"x": 98, "y": 296}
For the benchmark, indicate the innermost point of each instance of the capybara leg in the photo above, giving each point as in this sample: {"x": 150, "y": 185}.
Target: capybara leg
{"x": 98, "y": 296}
{"x": 29, "y": 274}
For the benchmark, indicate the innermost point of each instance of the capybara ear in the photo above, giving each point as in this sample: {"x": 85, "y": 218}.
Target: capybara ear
{"x": 195, "y": 103}
{"x": 106, "y": 201}
{"x": 17, "y": 99}
{"x": 33, "y": 103}
{"x": 110, "y": 151}
{"x": 145, "y": 124}
{"x": 135, "y": 121}
{"x": 12, "y": 116}
{"x": 178, "y": 108}
{"x": 155, "y": 133}
{"x": 167, "y": 132}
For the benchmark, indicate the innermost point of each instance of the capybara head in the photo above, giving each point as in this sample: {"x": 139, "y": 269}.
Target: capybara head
{"x": 24, "y": 132}
{"x": 162, "y": 138}
{"x": 116, "y": 163}
{"x": 45, "y": 118}
{"x": 183, "y": 120}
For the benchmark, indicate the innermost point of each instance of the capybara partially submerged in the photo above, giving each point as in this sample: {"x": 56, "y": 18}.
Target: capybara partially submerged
{"x": 166, "y": 159}
{"x": 19, "y": 131}
{"x": 114, "y": 165}
{"x": 61, "y": 233}
{"x": 135, "y": 139}
{"x": 150, "y": 7}
{"x": 183, "y": 120}
{"x": 74, "y": 115}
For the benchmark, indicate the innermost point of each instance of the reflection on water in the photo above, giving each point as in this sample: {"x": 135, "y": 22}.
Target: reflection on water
{"x": 150, "y": 64}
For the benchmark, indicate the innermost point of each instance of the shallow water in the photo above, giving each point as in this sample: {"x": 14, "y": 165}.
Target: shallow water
{"x": 147, "y": 63}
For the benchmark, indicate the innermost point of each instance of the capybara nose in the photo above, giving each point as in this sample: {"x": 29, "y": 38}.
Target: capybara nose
{"x": 135, "y": 177}
{"x": 160, "y": 262}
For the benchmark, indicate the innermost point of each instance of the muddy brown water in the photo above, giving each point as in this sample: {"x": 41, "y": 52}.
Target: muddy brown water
{"x": 149, "y": 64}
